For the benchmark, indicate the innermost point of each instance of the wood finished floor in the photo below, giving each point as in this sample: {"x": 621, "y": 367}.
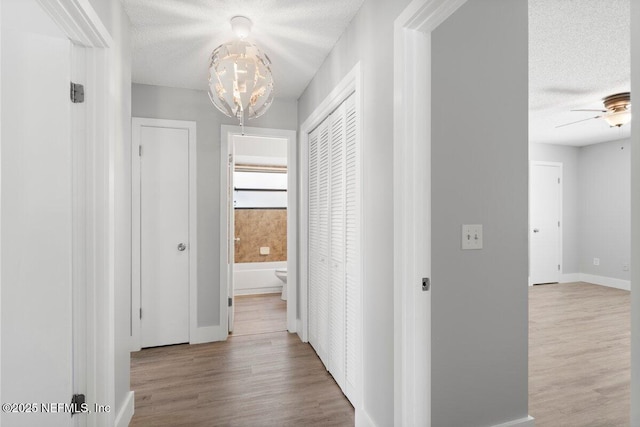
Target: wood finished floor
{"x": 579, "y": 365}
{"x": 257, "y": 314}
{"x": 260, "y": 376}
{"x": 579, "y": 355}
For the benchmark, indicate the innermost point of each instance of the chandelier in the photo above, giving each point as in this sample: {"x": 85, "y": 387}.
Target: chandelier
{"x": 240, "y": 79}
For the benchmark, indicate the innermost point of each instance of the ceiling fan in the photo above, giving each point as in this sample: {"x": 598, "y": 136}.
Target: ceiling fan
{"x": 617, "y": 110}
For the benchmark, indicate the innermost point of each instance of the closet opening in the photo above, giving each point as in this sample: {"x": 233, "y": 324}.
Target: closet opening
{"x": 331, "y": 235}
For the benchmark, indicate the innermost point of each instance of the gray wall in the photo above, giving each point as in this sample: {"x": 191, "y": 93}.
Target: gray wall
{"x": 596, "y": 205}
{"x": 184, "y": 104}
{"x": 369, "y": 38}
{"x": 568, "y": 156}
{"x": 605, "y": 208}
{"x": 479, "y": 161}
{"x": 635, "y": 222}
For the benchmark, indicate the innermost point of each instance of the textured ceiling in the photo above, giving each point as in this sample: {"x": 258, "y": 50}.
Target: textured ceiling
{"x": 579, "y": 52}
{"x": 173, "y": 39}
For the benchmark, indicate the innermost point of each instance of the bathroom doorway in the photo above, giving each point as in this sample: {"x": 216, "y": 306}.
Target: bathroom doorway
{"x": 259, "y": 222}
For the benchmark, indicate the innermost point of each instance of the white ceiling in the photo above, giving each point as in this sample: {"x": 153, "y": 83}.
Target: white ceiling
{"x": 173, "y": 39}
{"x": 579, "y": 52}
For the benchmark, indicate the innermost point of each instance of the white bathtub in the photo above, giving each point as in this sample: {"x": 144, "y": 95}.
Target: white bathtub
{"x": 257, "y": 278}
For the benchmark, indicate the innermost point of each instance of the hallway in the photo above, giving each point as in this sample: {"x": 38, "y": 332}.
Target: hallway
{"x": 266, "y": 379}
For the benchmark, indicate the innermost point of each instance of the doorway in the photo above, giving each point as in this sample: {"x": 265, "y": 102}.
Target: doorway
{"x": 257, "y": 284}
{"x": 258, "y": 223}
{"x": 164, "y": 230}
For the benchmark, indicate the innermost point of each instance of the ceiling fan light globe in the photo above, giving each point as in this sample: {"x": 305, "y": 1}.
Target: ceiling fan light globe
{"x": 618, "y": 118}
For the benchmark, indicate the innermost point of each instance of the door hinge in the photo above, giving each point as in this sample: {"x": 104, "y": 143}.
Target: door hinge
{"x": 230, "y": 158}
{"x": 230, "y": 301}
{"x": 140, "y": 150}
{"x": 558, "y": 223}
{"x": 558, "y": 267}
{"x": 426, "y": 284}
{"x": 78, "y": 404}
{"x": 141, "y": 312}
{"x": 558, "y": 180}
{"x": 77, "y": 93}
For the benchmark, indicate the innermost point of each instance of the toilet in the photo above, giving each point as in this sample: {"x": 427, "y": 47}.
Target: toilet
{"x": 281, "y": 273}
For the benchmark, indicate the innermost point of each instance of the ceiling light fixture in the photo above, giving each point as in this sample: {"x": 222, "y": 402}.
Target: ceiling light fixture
{"x": 618, "y": 109}
{"x": 240, "y": 78}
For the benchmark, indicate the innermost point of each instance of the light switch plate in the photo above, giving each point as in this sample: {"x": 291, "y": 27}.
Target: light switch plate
{"x": 471, "y": 236}
{"x": 264, "y": 250}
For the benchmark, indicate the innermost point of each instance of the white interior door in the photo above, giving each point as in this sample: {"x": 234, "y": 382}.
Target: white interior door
{"x": 231, "y": 236}
{"x": 37, "y": 214}
{"x": 544, "y": 222}
{"x": 164, "y": 234}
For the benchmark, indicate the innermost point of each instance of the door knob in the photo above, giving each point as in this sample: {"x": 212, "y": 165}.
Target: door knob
{"x": 237, "y": 239}
{"x": 182, "y": 247}
{"x": 536, "y": 230}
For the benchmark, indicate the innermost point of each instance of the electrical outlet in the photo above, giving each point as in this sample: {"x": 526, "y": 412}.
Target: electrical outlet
{"x": 471, "y": 236}
{"x": 265, "y": 250}
{"x": 596, "y": 261}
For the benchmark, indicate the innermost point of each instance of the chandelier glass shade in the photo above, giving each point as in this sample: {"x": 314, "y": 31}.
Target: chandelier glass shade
{"x": 240, "y": 80}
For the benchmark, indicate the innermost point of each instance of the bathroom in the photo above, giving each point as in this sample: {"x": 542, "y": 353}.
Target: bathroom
{"x": 260, "y": 238}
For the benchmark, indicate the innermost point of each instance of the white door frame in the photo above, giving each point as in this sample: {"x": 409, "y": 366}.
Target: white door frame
{"x": 635, "y": 222}
{"x": 94, "y": 172}
{"x": 532, "y": 164}
{"x": 226, "y": 138}
{"x": 412, "y": 207}
{"x": 137, "y": 124}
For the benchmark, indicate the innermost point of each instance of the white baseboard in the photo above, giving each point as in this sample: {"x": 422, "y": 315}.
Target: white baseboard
{"x": 299, "y": 329}
{"x": 522, "y": 422}
{"x": 126, "y": 412}
{"x": 206, "y": 334}
{"x": 258, "y": 291}
{"x": 606, "y": 281}
{"x": 569, "y": 278}
{"x": 362, "y": 419}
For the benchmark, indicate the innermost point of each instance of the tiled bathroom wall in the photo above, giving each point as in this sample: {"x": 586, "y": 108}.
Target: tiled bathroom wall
{"x": 260, "y": 228}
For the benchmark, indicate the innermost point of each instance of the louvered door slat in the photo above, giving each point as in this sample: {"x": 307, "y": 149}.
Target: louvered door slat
{"x": 353, "y": 288}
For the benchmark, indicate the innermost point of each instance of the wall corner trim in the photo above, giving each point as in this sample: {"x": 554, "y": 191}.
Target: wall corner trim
{"x": 126, "y": 412}
{"x": 521, "y": 422}
{"x": 362, "y": 419}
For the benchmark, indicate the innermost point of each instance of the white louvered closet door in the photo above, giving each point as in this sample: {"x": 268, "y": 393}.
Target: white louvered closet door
{"x": 334, "y": 246}
{"x": 337, "y": 249}
{"x": 314, "y": 234}
{"x": 324, "y": 170}
{"x": 353, "y": 281}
